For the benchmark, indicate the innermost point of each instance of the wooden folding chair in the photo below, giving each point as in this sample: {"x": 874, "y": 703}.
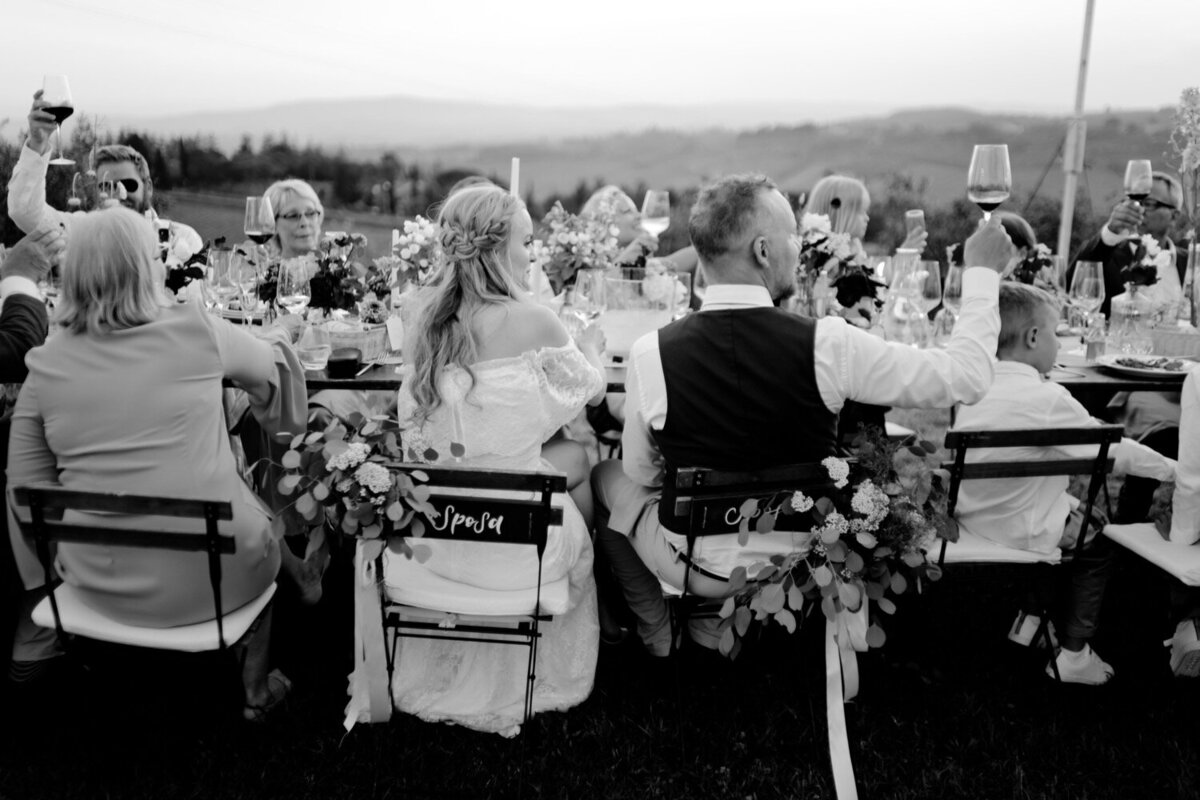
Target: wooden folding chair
{"x": 477, "y": 505}
{"x": 698, "y": 502}
{"x": 973, "y": 549}
{"x": 40, "y": 510}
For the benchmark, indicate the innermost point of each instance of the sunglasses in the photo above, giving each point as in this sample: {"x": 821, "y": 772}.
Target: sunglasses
{"x": 130, "y": 185}
{"x": 1153, "y": 204}
{"x": 295, "y": 216}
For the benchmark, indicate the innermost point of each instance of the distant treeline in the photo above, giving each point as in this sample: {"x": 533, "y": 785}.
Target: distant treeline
{"x": 390, "y": 187}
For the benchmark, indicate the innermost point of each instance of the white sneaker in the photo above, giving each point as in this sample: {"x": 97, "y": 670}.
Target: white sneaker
{"x": 1025, "y": 627}
{"x": 1185, "y": 649}
{"x": 1082, "y": 667}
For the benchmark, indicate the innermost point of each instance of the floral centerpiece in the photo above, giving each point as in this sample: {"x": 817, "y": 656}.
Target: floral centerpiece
{"x": 415, "y": 251}
{"x": 185, "y": 279}
{"x": 871, "y": 532}
{"x": 830, "y": 267}
{"x": 573, "y": 242}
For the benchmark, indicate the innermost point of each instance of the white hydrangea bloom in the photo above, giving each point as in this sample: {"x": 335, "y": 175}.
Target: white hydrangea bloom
{"x": 375, "y": 477}
{"x": 349, "y": 458}
{"x": 838, "y": 470}
{"x": 815, "y": 222}
{"x": 801, "y": 502}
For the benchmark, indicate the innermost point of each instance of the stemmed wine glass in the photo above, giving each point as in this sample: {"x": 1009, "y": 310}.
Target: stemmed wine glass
{"x": 259, "y": 225}
{"x": 244, "y": 275}
{"x": 587, "y": 297}
{"x": 56, "y": 93}
{"x": 656, "y": 212}
{"x": 1139, "y": 180}
{"x": 294, "y": 291}
{"x": 221, "y": 284}
{"x": 952, "y": 291}
{"x": 1087, "y": 286}
{"x": 989, "y": 179}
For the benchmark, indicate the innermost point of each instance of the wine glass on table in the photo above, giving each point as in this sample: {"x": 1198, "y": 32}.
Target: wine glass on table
{"x": 56, "y": 93}
{"x": 221, "y": 284}
{"x": 294, "y": 291}
{"x": 244, "y": 275}
{"x": 989, "y": 179}
{"x": 656, "y": 212}
{"x": 588, "y": 295}
{"x": 1087, "y": 288}
{"x": 1139, "y": 179}
{"x": 259, "y": 225}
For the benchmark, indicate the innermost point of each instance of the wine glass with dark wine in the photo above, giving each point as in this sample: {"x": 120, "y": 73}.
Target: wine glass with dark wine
{"x": 259, "y": 225}
{"x": 656, "y": 212}
{"x": 989, "y": 179}
{"x": 56, "y": 93}
{"x": 1139, "y": 179}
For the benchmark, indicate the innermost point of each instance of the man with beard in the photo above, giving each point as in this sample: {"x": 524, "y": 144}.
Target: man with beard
{"x": 119, "y": 167}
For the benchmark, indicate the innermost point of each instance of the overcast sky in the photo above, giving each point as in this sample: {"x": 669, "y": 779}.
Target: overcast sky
{"x": 150, "y": 57}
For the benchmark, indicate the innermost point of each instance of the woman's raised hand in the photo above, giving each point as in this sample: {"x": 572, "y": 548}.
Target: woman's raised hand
{"x": 592, "y": 338}
{"x": 646, "y": 244}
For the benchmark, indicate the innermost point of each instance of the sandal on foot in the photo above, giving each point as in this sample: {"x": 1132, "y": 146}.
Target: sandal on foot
{"x": 278, "y": 687}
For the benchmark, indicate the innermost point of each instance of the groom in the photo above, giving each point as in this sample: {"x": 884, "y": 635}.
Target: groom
{"x": 744, "y": 385}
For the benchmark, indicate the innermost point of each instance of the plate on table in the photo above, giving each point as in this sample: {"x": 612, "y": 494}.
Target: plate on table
{"x": 1148, "y": 366}
{"x": 237, "y": 315}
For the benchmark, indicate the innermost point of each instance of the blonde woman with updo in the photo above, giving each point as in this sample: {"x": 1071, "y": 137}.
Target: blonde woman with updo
{"x": 488, "y": 368}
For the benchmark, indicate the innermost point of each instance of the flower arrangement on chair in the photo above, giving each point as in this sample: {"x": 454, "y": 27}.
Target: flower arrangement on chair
{"x": 872, "y": 532}
{"x": 415, "y": 256}
{"x": 348, "y": 480}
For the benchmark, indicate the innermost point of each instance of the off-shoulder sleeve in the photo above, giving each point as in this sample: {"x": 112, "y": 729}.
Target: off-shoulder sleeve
{"x": 267, "y": 367}
{"x": 569, "y": 382}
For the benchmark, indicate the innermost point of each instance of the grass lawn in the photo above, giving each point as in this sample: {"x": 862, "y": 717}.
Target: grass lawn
{"x": 948, "y": 709}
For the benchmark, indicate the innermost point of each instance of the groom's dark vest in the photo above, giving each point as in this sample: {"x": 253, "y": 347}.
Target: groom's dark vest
{"x": 742, "y": 392}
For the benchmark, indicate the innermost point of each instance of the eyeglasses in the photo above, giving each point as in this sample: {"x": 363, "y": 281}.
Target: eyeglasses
{"x": 1151, "y": 204}
{"x": 294, "y": 216}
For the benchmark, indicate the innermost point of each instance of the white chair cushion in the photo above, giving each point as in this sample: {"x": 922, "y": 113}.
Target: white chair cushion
{"x": 81, "y": 620}
{"x": 973, "y": 549}
{"x": 1181, "y": 560}
{"x": 407, "y": 582}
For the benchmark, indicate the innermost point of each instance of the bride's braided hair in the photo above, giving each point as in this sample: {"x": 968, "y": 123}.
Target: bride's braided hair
{"x": 473, "y": 232}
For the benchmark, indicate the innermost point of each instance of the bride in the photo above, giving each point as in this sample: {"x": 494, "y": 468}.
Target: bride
{"x": 497, "y": 373}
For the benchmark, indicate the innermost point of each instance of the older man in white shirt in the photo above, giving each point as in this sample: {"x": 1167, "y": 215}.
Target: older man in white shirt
{"x": 750, "y": 386}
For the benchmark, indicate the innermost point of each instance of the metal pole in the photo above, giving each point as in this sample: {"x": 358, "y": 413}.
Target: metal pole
{"x": 1076, "y": 140}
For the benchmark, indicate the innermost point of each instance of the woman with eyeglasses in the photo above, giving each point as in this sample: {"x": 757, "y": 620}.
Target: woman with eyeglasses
{"x": 298, "y": 217}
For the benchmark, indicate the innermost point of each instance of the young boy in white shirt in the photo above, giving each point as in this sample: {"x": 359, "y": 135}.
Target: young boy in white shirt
{"x": 1037, "y": 513}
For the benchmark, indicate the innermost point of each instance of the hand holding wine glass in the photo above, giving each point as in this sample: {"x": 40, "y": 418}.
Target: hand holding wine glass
{"x": 1139, "y": 181}
{"x": 989, "y": 179}
{"x": 57, "y": 102}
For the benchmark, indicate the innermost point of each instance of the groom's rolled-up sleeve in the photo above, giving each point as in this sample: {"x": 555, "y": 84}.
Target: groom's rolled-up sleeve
{"x": 852, "y": 364}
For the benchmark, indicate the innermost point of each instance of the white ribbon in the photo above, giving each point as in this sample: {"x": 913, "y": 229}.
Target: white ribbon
{"x": 842, "y": 638}
{"x": 368, "y": 689}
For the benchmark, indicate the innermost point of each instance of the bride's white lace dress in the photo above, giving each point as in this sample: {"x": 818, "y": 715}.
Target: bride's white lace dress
{"x": 515, "y": 405}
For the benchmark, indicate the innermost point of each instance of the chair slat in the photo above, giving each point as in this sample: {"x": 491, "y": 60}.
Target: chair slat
{"x": 1027, "y": 469}
{"x": 124, "y": 537}
{"x": 57, "y": 498}
{"x": 477, "y": 478}
{"x": 1033, "y": 437}
{"x": 701, "y": 479}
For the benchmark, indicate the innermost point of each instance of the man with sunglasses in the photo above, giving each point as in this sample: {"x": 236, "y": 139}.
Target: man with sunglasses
{"x": 121, "y": 172}
{"x": 1115, "y": 245}
{"x": 1151, "y": 418}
